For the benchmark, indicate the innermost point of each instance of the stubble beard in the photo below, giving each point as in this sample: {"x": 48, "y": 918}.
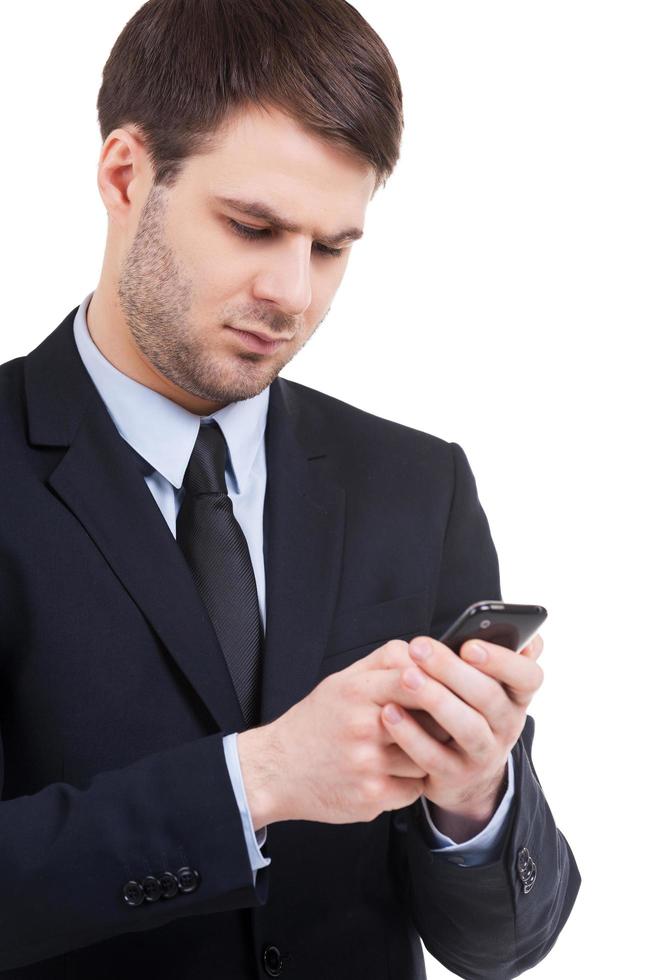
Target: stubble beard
{"x": 156, "y": 300}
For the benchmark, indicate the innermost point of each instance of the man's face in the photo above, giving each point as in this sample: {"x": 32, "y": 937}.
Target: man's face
{"x": 189, "y": 275}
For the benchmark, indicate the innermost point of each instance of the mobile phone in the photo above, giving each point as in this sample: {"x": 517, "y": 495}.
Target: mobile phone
{"x": 507, "y": 624}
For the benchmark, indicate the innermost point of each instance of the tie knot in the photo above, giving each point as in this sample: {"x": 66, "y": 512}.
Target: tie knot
{"x": 205, "y": 470}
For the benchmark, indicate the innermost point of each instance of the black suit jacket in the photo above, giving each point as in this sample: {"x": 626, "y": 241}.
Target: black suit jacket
{"x": 115, "y": 698}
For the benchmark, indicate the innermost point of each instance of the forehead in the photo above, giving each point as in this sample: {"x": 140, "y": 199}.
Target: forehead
{"x": 264, "y": 155}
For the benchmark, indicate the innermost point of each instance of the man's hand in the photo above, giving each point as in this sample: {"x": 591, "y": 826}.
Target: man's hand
{"x": 482, "y": 705}
{"x": 333, "y": 757}
{"x": 329, "y": 757}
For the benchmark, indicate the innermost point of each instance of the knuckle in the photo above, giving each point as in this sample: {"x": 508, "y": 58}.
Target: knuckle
{"x": 490, "y": 705}
{"x": 433, "y": 695}
{"x": 356, "y": 759}
{"x": 373, "y": 789}
{"x": 348, "y": 686}
{"x": 430, "y": 761}
{"x": 394, "y": 652}
{"x": 494, "y": 706}
{"x": 362, "y": 758}
{"x": 481, "y": 743}
{"x": 408, "y": 795}
{"x": 486, "y": 746}
{"x": 417, "y": 791}
{"x": 361, "y": 729}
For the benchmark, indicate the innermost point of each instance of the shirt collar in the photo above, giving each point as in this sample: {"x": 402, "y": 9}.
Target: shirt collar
{"x": 161, "y": 431}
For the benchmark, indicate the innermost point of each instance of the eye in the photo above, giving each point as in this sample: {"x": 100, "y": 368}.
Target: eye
{"x": 245, "y": 231}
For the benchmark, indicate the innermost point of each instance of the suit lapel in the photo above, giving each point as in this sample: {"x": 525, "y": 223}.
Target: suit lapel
{"x": 99, "y": 480}
{"x": 303, "y": 530}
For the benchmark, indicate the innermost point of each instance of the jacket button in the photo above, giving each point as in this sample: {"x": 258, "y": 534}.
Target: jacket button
{"x": 272, "y": 961}
{"x": 169, "y": 884}
{"x": 188, "y": 879}
{"x": 152, "y": 888}
{"x": 133, "y": 893}
{"x": 527, "y": 870}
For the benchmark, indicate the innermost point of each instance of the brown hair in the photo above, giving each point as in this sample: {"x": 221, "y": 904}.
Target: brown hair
{"x": 180, "y": 68}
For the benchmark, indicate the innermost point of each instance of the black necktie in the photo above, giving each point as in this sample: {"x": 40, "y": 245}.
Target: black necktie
{"x": 216, "y": 550}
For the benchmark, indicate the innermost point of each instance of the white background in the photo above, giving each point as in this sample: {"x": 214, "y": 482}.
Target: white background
{"x": 500, "y": 298}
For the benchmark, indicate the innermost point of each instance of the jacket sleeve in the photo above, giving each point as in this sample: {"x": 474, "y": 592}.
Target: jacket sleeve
{"x": 84, "y": 864}
{"x": 492, "y": 921}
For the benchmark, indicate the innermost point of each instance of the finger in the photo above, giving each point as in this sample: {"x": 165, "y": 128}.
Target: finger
{"x": 477, "y": 705}
{"x": 397, "y": 763}
{"x": 534, "y": 649}
{"x": 425, "y": 751}
{"x": 431, "y": 726}
{"x": 382, "y": 686}
{"x": 393, "y": 653}
{"x": 520, "y": 676}
{"x": 476, "y": 689}
{"x": 494, "y": 712}
{"x": 468, "y": 727}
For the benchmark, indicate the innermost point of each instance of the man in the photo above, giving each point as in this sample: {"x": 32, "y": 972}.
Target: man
{"x": 217, "y": 583}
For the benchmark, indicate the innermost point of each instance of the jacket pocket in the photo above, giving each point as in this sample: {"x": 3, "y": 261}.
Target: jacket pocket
{"x": 396, "y": 618}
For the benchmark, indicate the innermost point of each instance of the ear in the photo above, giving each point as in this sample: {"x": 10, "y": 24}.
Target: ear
{"x": 124, "y": 174}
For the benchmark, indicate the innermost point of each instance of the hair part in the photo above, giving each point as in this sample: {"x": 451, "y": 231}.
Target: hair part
{"x": 181, "y": 69}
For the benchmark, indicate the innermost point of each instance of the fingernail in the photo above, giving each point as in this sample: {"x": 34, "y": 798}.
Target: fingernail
{"x": 420, "y": 649}
{"x": 475, "y": 653}
{"x": 393, "y": 714}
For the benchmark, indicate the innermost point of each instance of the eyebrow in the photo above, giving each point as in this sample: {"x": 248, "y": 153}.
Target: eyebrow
{"x": 256, "y": 209}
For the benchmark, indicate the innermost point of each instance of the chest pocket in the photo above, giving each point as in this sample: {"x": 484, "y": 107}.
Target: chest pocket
{"x": 400, "y": 618}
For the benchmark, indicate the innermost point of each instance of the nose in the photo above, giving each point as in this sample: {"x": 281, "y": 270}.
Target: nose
{"x": 285, "y": 279}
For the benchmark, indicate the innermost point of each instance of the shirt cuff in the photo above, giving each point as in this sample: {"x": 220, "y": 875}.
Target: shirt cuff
{"x": 254, "y": 840}
{"x": 487, "y": 844}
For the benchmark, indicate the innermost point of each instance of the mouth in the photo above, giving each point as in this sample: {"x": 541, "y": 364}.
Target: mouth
{"x": 258, "y": 342}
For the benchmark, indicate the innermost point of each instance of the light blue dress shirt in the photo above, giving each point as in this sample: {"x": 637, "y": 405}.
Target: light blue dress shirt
{"x": 164, "y": 434}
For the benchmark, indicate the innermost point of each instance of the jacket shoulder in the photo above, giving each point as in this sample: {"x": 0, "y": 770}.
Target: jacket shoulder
{"x": 340, "y": 422}
{"x": 12, "y": 392}
{"x": 11, "y": 374}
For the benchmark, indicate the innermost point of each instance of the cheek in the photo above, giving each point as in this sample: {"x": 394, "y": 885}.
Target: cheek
{"x": 210, "y": 261}
{"x": 217, "y": 276}
{"x": 325, "y": 283}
